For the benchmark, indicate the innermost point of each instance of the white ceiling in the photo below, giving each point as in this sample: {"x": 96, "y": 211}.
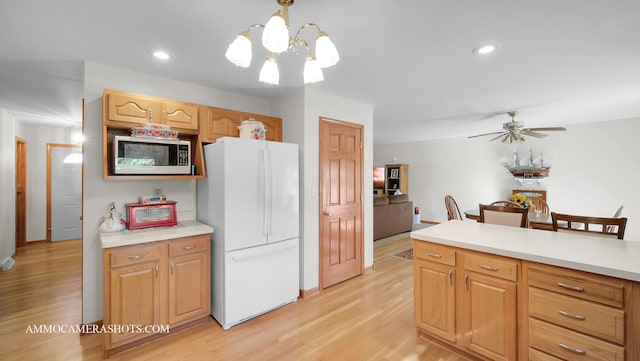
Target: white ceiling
{"x": 560, "y": 62}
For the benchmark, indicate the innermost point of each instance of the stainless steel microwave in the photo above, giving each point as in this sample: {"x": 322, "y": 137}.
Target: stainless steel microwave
{"x": 139, "y": 155}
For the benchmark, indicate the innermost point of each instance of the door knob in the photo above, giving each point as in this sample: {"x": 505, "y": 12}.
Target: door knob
{"x": 327, "y": 213}
{"x": 19, "y": 193}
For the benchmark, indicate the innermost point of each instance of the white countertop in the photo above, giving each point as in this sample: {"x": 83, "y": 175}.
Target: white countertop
{"x": 610, "y": 257}
{"x": 126, "y": 237}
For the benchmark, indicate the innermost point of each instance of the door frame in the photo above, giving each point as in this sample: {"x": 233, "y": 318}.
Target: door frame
{"x": 49, "y": 147}
{"x": 321, "y": 192}
{"x": 21, "y": 172}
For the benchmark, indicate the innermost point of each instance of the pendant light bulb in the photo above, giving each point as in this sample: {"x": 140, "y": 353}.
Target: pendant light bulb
{"x": 269, "y": 73}
{"x": 326, "y": 52}
{"x": 275, "y": 36}
{"x": 312, "y": 72}
{"x": 239, "y": 52}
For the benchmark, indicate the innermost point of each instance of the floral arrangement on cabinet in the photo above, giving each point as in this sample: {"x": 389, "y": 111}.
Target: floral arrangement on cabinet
{"x": 522, "y": 200}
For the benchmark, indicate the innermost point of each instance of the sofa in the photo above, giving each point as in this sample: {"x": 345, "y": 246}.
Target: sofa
{"x": 391, "y": 215}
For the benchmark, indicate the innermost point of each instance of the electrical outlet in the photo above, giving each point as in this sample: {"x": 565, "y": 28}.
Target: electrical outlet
{"x": 157, "y": 191}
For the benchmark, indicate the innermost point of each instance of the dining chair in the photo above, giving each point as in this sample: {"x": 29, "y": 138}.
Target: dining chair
{"x": 589, "y": 226}
{"x": 504, "y": 215}
{"x": 615, "y": 215}
{"x": 539, "y": 204}
{"x": 453, "y": 212}
{"x": 506, "y": 204}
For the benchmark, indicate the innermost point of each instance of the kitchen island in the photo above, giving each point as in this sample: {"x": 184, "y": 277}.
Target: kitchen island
{"x": 506, "y": 293}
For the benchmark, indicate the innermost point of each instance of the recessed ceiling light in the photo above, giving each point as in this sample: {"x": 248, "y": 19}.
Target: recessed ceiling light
{"x": 161, "y": 54}
{"x": 486, "y": 48}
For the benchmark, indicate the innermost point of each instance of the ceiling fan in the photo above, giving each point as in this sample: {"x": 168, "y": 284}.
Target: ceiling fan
{"x": 515, "y": 131}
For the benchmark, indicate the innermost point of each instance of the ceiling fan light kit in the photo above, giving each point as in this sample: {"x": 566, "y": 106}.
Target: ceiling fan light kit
{"x": 514, "y": 131}
{"x": 276, "y": 39}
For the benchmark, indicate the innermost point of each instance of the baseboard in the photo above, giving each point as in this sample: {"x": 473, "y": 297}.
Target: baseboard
{"x": 369, "y": 269}
{"x": 308, "y": 293}
{"x": 31, "y": 243}
{"x": 95, "y": 325}
{"x": 429, "y": 222}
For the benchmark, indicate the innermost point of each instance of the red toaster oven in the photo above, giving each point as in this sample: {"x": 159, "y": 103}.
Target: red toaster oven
{"x": 151, "y": 215}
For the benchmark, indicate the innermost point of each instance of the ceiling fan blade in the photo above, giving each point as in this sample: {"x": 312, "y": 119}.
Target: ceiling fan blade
{"x": 482, "y": 135}
{"x": 550, "y": 129}
{"x": 499, "y": 136}
{"x": 533, "y": 134}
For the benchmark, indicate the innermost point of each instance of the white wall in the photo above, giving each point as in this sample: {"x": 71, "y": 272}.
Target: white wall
{"x": 306, "y": 132}
{"x": 98, "y": 193}
{"x": 7, "y": 186}
{"x": 37, "y": 137}
{"x": 594, "y": 170}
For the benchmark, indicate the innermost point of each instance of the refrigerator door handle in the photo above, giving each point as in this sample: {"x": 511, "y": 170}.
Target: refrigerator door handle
{"x": 241, "y": 258}
{"x": 265, "y": 185}
{"x": 270, "y": 188}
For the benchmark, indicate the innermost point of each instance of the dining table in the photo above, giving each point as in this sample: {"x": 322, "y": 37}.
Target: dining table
{"x": 536, "y": 220}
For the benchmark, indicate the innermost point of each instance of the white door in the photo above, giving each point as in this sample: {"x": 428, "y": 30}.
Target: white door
{"x": 66, "y": 193}
{"x": 283, "y": 206}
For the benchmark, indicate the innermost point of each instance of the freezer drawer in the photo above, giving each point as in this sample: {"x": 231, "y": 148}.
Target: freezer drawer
{"x": 257, "y": 280}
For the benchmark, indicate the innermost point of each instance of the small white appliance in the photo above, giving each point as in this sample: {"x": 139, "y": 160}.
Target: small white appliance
{"x": 142, "y": 155}
{"x": 250, "y": 197}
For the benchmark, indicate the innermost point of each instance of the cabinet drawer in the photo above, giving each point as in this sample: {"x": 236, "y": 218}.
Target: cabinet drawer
{"x": 496, "y": 266}
{"x": 435, "y": 253}
{"x": 127, "y": 255}
{"x": 588, "y": 317}
{"x": 189, "y": 245}
{"x": 570, "y": 345}
{"x": 535, "y": 355}
{"x": 583, "y": 285}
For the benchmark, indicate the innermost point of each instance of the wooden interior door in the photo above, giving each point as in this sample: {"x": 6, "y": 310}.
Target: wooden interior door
{"x": 21, "y": 192}
{"x": 341, "y": 251}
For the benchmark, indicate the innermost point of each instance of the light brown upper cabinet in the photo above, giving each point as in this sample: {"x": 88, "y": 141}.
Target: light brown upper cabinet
{"x": 218, "y": 122}
{"x": 130, "y": 110}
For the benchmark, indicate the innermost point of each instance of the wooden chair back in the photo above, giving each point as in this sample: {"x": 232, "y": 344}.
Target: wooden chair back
{"x": 506, "y": 204}
{"x": 504, "y": 215}
{"x": 540, "y": 204}
{"x": 453, "y": 212}
{"x": 589, "y": 226}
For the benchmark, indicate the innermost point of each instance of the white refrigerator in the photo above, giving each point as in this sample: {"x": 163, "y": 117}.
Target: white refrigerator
{"x": 250, "y": 197}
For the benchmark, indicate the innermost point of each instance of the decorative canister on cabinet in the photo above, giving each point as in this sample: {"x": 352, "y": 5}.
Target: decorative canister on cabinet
{"x": 252, "y": 129}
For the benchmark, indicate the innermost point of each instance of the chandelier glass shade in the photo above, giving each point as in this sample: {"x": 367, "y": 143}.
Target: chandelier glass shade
{"x": 276, "y": 39}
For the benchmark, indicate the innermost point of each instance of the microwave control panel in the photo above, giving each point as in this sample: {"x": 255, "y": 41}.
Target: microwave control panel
{"x": 183, "y": 155}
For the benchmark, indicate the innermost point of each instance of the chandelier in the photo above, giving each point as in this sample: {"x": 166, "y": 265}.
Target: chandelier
{"x": 276, "y": 39}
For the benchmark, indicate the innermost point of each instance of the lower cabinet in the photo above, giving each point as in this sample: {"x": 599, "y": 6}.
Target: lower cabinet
{"x": 467, "y": 299}
{"x": 150, "y": 286}
{"x": 498, "y": 308}
{"x": 434, "y": 284}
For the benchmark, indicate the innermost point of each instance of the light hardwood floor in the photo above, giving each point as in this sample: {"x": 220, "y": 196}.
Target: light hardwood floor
{"x": 366, "y": 318}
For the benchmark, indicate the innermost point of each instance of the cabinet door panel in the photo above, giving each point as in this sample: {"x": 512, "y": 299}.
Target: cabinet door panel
{"x": 490, "y": 316}
{"x": 181, "y": 115}
{"x": 134, "y": 285}
{"x": 218, "y": 122}
{"x": 435, "y": 298}
{"x": 188, "y": 287}
{"x": 122, "y": 108}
